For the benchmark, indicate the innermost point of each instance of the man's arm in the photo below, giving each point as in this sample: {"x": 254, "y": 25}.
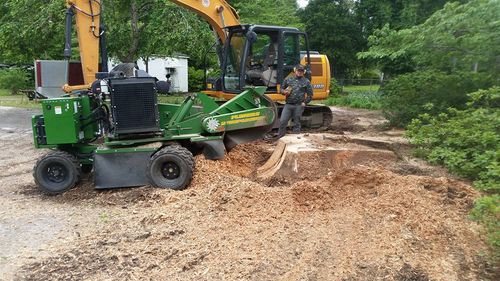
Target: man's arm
{"x": 309, "y": 92}
{"x": 284, "y": 86}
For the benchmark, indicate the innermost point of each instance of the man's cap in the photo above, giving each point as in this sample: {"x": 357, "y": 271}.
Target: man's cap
{"x": 300, "y": 67}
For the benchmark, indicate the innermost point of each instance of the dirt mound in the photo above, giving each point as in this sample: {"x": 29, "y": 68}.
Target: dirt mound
{"x": 355, "y": 222}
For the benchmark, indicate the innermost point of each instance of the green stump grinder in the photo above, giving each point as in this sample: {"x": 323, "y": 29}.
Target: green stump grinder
{"x": 119, "y": 131}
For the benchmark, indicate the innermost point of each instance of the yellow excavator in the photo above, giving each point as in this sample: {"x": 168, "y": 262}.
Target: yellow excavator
{"x": 249, "y": 54}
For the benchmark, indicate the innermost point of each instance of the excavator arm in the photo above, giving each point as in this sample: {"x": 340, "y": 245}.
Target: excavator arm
{"x": 87, "y": 14}
{"x": 218, "y": 13}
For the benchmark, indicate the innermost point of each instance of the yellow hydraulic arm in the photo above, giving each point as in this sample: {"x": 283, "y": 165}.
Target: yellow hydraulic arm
{"x": 87, "y": 14}
{"x": 218, "y": 13}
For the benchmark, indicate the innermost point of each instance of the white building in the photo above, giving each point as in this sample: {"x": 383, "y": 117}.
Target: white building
{"x": 159, "y": 67}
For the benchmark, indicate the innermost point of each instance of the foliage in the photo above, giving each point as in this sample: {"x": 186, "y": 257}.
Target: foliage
{"x": 467, "y": 142}
{"x": 335, "y": 88}
{"x": 141, "y": 29}
{"x": 277, "y": 13}
{"x": 374, "y": 14}
{"x": 334, "y": 30}
{"x": 367, "y": 100}
{"x": 367, "y": 74}
{"x": 459, "y": 37}
{"x": 4, "y": 92}
{"x": 14, "y": 79}
{"x": 196, "y": 80}
{"x": 31, "y": 30}
{"x": 487, "y": 211}
{"x": 431, "y": 92}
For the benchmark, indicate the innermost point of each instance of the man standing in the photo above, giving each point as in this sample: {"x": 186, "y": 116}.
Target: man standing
{"x": 298, "y": 92}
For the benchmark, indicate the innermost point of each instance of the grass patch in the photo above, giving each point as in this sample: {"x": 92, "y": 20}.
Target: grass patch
{"x": 366, "y": 100}
{"x": 4, "y": 92}
{"x": 172, "y": 99}
{"x": 361, "y": 88}
{"x": 21, "y": 101}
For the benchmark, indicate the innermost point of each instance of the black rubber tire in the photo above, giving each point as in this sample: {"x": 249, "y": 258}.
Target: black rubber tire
{"x": 87, "y": 168}
{"x": 179, "y": 156}
{"x": 61, "y": 161}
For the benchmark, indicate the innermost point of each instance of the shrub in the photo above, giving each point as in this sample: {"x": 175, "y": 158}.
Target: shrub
{"x": 335, "y": 88}
{"x": 432, "y": 92}
{"x": 196, "y": 80}
{"x": 467, "y": 142}
{"x": 14, "y": 79}
{"x": 487, "y": 211}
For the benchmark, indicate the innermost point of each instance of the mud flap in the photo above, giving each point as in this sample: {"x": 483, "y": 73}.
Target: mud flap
{"x": 213, "y": 150}
{"x": 116, "y": 170}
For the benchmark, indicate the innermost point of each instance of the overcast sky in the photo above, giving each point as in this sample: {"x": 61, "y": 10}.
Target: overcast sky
{"x": 302, "y": 3}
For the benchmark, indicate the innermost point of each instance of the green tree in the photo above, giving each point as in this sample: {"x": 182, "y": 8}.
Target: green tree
{"x": 459, "y": 37}
{"x": 31, "y": 30}
{"x": 333, "y": 30}
{"x": 398, "y": 14}
{"x": 431, "y": 92}
{"x": 279, "y": 12}
{"x": 142, "y": 29}
{"x": 135, "y": 29}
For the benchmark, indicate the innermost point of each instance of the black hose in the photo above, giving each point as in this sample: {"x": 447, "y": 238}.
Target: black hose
{"x": 69, "y": 24}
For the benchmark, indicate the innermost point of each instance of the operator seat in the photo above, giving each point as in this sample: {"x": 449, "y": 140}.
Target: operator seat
{"x": 269, "y": 74}
{"x": 265, "y": 74}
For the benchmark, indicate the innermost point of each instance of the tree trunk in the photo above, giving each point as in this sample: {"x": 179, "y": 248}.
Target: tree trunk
{"x": 135, "y": 34}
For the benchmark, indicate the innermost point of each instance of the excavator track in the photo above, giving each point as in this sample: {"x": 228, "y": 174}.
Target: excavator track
{"x": 314, "y": 117}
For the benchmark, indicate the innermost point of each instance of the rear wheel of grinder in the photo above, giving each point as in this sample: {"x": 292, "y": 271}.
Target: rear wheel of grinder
{"x": 56, "y": 172}
{"x": 171, "y": 167}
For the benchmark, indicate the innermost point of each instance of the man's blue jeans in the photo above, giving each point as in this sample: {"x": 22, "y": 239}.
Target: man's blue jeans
{"x": 290, "y": 111}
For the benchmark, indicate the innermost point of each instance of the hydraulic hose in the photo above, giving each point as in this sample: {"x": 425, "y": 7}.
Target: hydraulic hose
{"x": 69, "y": 24}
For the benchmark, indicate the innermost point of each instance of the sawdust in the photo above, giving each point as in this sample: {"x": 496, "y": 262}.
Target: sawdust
{"x": 361, "y": 220}
{"x": 357, "y": 223}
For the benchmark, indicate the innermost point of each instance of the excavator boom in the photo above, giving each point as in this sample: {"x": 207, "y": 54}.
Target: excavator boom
{"x": 218, "y": 13}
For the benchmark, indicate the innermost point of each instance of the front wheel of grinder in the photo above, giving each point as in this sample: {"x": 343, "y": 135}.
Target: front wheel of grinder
{"x": 56, "y": 172}
{"x": 171, "y": 167}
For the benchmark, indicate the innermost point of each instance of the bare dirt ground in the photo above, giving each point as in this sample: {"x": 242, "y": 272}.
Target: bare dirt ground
{"x": 341, "y": 216}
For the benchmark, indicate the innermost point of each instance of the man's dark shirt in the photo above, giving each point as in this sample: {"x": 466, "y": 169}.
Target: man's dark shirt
{"x": 301, "y": 87}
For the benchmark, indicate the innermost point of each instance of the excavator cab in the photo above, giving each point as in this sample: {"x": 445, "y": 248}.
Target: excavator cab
{"x": 257, "y": 55}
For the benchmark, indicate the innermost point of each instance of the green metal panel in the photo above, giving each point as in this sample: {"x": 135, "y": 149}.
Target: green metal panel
{"x": 62, "y": 122}
{"x": 125, "y": 150}
{"x": 251, "y": 118}
{"x": 167, "y": 111}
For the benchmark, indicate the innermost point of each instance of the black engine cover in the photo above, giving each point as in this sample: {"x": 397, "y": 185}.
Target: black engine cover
{"x": 134, "y": 105}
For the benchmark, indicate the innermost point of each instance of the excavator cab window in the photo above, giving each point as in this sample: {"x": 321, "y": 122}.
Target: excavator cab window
{"x": 295, "y": 51}
{"x": 262, "y": 56}
{"x": 234, "y": 56}
{"x": 262, "y": 60}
